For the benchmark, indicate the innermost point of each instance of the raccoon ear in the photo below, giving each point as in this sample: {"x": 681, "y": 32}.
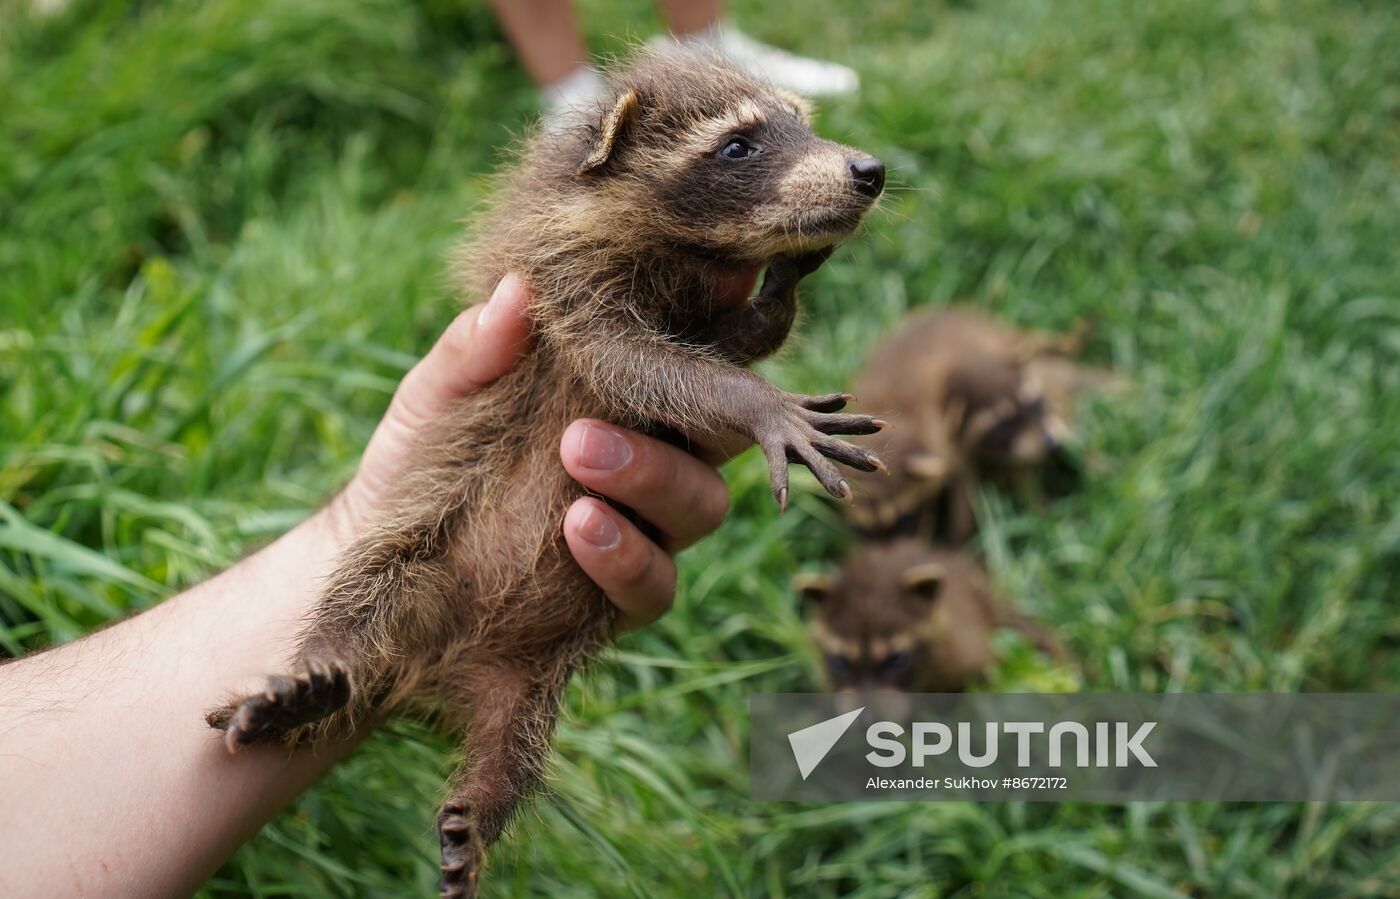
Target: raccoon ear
{"x": 615, "y": 122}
{"x": 814, "y": 588}
{"x": 925, "y": 580}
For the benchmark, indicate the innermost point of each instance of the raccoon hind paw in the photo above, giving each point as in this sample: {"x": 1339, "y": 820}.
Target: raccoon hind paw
{"x": 286, "y": 704}
{"x": 462, "y": 851}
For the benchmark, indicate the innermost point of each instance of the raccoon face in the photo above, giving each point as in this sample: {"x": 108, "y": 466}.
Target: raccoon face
{"x": 733, "y": 162}
{"x": 771, "y": 187}
{"x": 872, "y": 637}
{"x": 1001, "y": 416}
{"x": 791, "y": 191}
{"x": 1020, "y": 432}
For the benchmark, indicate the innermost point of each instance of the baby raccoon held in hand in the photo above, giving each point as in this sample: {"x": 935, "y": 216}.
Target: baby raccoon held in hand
{"x": 904, "y": 616}
{"x": 642, "y": 235}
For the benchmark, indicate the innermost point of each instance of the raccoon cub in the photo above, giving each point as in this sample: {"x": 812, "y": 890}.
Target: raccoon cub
{"x": 643, "y": 233}
{"x": 971, "y": 400}
{"x": 904, "y": 616}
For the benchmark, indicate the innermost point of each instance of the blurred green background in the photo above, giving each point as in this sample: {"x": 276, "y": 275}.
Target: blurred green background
{"x": 222, "y": 227}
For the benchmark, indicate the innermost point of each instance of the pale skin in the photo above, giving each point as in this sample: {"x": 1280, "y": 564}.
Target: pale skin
{"x": 114, "y": 786}
{"x": 545, "y": 33}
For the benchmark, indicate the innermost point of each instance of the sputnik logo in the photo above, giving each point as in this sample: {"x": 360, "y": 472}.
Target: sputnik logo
{"x": 811, "y": 744}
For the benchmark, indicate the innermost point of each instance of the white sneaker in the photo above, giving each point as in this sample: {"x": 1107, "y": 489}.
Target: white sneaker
{"x": 571, "y": 99}
{"x": 809, "y": 77}
{"x": 48, "y": 9}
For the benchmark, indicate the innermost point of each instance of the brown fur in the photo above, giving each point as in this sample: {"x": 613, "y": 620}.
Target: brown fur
{"x": 904, "y": 616}
{"x": 642, "y": 245}
{"x": 971, "y": 400}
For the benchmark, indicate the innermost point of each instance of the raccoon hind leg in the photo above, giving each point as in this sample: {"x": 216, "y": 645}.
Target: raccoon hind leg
{"x": 513, "y": 714}
{"x": 388, "y": 598}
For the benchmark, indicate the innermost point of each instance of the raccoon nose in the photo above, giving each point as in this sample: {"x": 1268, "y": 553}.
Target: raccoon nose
{"x": 868, "y": 173}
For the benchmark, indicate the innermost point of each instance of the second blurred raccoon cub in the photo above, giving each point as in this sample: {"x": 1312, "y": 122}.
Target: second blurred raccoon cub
{"x": 904, "y": 616}
{"x": 971, "y": 400}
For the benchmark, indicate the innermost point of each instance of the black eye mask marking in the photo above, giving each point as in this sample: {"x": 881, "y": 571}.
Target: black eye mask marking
{"x": 897, "y": 663}
{"x": 838, "y": 665}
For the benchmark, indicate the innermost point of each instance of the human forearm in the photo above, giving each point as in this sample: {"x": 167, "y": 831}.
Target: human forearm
{"x": 111, "y": 783}
{"x": 120, "y": 714}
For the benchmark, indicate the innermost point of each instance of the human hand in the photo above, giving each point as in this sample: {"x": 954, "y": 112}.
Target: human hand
{"x": 681, "y": 496}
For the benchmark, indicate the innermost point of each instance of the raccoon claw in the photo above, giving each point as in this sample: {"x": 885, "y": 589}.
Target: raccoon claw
{"x": 462, "y": 852}
{"x": 828, "y": 402}
{"x": 287, "y": 702}
{"x": 848, "y": 454}
{"x": 801, "y": 435}
{"x": 828, "y": 423}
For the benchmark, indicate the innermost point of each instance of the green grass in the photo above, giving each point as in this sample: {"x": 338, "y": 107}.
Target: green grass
{"x": 221, "y": 235}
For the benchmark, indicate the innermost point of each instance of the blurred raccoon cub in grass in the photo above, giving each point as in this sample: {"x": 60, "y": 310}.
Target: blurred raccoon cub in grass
{"x": 902, "y": 615}
{"x": 643, "y": 233}
{"x": 972, "y": 400}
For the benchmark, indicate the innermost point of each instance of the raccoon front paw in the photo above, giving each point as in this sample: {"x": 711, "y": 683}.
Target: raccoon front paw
{"x": 797, "y": 429}
{"x": 288, "y": 702}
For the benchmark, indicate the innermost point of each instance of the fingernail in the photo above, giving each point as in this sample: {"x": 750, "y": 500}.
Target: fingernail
{"x": 508, "y": 290}
{"x": 602, "y": 449}
{"x": 487, "y": 310}
{"x": 599, "y": 529}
